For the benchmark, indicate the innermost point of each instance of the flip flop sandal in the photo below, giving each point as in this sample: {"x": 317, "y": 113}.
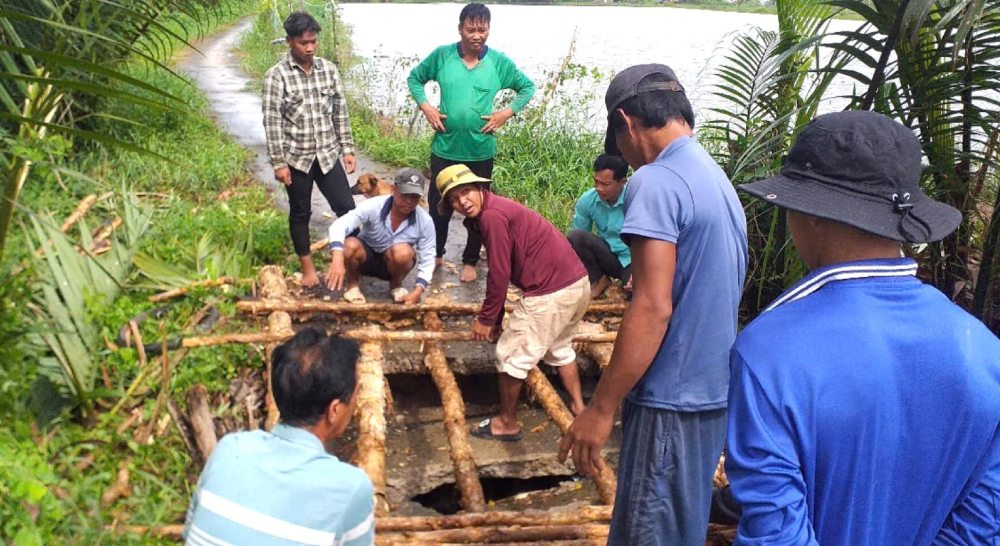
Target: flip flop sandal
{"x": 353, "y": 295}
{"x": 482, "y": 430}
{"x": 399, "y": 294}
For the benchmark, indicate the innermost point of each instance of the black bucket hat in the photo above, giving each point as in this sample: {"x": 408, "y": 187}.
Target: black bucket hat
{"x": 861, "y": 169}
{"x": 627, "y": 84}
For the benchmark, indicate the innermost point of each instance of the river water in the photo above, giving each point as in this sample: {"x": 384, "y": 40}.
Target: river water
{"x": 393, "y": 37}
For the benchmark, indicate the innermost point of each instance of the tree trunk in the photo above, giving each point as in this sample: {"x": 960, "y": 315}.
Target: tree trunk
{"x": 549, "y": 398}
{"x": 170, "y": 294}
{"x": 586, "y": 514}
{"x": 367, "y": 335}
{"x": 492, "y": 535}
{"x": 371, "y": 421}
{"x": 271, "y": 283}
{"x": 266, "y": 306}
{"x": 466, "y": 475}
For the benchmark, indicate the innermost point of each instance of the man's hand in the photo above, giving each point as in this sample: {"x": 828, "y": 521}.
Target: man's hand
{"x": 413, "y": 297}
{"x": 481, "y": 332}
{"x": 283, "y": 175}
{"x": 349, "y": 163}
{"x": 496, "y": 120}
{"x": 335, "y": 275}
{"x": 586, "y": 436}
{"x": 434, "y": 117}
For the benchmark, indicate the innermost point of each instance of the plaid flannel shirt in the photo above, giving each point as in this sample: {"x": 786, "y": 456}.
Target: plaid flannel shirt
{"x": 305, "y": 116}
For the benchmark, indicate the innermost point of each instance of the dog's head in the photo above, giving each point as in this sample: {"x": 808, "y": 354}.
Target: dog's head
{"x": 365, "y": 185}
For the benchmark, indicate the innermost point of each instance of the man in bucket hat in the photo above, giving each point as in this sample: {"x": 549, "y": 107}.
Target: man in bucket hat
{"x": 687, "y": 234}
{"x": 527, "y": 251}
{"x": 395, "y": 235}
{"x": 864, "y": 405}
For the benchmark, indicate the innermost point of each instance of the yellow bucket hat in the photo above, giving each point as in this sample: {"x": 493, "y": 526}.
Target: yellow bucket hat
{"x": 451, "y": 178}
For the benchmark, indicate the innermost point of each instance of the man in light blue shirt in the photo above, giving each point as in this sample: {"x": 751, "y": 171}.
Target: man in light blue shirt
{"x": 687, "y": 233}
{"x": 602, "y": 208}
{"x": 283, "y": 487}
{"x": 395, "y": 234}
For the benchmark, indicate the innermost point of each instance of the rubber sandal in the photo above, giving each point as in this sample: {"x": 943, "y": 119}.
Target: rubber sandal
{"x": 482, "y": 430}
{"x": 353, "y": 295}
{"x": 399, "y": 294}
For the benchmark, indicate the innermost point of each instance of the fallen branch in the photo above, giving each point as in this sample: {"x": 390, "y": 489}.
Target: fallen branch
{"x": 273, "y": 414}
{"x": 140, "y": 348}
{"x": 209, "y": 283}
{"x": 453, "y": 406}
{"x": 371, "y": 421}
{"x": 549, "y": 398}
{"x": 586, "y": 514}
{"x": 366, "y": 335}
{"x": 267, "y": 306}
{"x": 182, "y": 428}
{"x": 492, "y": 535}
{"x": 201, "y": 421}
{"x": 121, "y": 486}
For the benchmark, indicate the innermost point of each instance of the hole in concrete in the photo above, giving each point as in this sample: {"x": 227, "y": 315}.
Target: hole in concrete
{"x": 445, "y": 499}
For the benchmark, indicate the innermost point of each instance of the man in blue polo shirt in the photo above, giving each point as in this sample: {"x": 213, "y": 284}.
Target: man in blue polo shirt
{"x": 602, "y": 209}
{"x": 687, "y": 233}
{"x": 283, "y": 487}
{"x": 864, "y": 405}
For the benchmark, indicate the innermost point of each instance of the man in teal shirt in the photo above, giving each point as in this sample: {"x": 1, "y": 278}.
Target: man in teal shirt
{"x": 470, "y": 75}
{"x": 602, "y": 207}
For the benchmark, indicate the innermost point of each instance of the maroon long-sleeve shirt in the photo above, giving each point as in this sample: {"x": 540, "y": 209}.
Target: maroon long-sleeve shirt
{"x": 524, "y": 249}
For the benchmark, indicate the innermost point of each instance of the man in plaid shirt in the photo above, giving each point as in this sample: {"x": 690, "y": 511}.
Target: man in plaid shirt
{"x": 305, "y": 118}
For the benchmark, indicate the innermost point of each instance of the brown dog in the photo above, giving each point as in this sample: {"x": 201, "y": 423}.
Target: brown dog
{"x": 370, "y": 185}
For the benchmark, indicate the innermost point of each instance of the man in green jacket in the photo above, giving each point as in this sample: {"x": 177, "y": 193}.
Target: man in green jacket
{"x": 470, "y": 75}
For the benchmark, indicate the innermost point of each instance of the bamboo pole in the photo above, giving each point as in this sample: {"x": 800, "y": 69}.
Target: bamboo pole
{"x": 209, "y": 283}
{"x": 266, "y": 306}
{"x": 366, "y": 335}
{"x": 549, "y": 398}
{"x": 371, "y": 421}
{"x": 393, "y": 540}
{"x": 599, "y": 352}
{"x": 272, "y": 283}
{"x": 273, "y": 414}
{"x": 586, "y": 514}
{"x": 492, "y": 535}
{"x": 453, "y": 406}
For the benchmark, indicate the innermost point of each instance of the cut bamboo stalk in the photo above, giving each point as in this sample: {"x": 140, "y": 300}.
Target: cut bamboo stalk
{"x": 453, "y": 406}
{"x": 210, "y": 283}
{"x": 366, "y": 335}
{"x": 392, "y": 541}
{"x": 273, "y": 414}
{"x": 586, "y": 514}
{"x": 271, "y": 283}
{"x": 554, "y": 406}
{"x": 371, "y": 421}
{"x": 319, "y": 245}
{"x": 599, "y": 352}
{"x": 81, "y": 208}
{"x": 492, "y": 535}
{"x": 201, "y": 420}
{"x": 267, "y": 306}
{"x": 107, "y": 230}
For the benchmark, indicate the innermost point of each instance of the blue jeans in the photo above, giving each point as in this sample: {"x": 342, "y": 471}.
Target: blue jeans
{"x": 665, "y": 470}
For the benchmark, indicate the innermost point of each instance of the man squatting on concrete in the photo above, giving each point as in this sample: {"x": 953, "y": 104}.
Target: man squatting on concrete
{"x": 687, "y": 233}
{"x": 864, "y": 406}
{"x": 307, "y": 129}
{"x": 470, "y": 75}
{"x": 602, "y": 208}
{"x": 395, "y": 234}
{"x": 527, "y": 251}
{"x": 283, "y": 486}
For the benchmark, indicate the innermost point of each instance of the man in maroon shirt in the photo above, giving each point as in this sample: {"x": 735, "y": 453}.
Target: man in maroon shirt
{"x": 525, "y": 250}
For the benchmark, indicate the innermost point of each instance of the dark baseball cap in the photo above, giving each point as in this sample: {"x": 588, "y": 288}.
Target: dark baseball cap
{"x": 861, "y": 169}
{"x": 627, "y": 84}
{"x": 410, "y": 182}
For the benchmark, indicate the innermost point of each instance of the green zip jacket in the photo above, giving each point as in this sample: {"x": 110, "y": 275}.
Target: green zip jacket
{"x": 466, "y": 96}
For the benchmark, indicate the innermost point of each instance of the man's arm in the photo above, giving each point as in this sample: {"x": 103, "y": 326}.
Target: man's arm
{"x": 419, "y": 76}
{"x": 355, "y": 218}
{"x": 498, "y": 243}
{"x": 358, "y": 527}
{"x": 342, "y": 121}
{"x": 762, "y": 466}
{"x": 643, "y": 327}
{"x": 425, "y": 248}
{"x": 510, "y": 78}
{"x": 581, "y": 217}
{"x": 273, "y": 121}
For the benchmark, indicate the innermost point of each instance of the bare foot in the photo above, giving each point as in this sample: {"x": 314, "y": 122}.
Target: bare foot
{"x": 498, "y": 426}
{"x": 438, "y": 262}
{"x": 468, "y": 273}
{"x": 599, "y": 287}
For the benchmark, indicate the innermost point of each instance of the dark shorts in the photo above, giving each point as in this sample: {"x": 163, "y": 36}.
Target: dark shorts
{"x": 665, "y": 470}
{"x": 374, "y": 264}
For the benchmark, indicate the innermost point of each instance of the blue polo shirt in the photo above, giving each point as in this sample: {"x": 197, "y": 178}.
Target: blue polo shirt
{"x": 684, "y": 198}
{"x": 279, "y": 488}
{"x": 865, "y": 409}
{"x": 593, "y": 212}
